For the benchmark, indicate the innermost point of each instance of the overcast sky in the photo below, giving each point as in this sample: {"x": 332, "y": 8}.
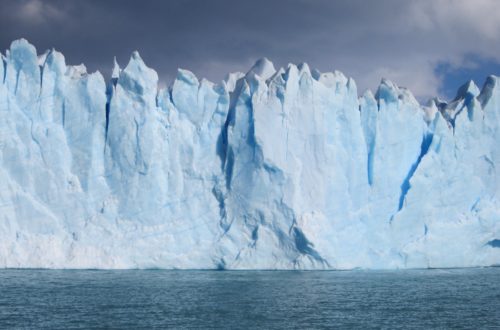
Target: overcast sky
{"x": 430, "y": 46}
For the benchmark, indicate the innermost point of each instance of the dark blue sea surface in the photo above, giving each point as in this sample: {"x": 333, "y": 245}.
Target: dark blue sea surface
{"x": 145, "y": 299}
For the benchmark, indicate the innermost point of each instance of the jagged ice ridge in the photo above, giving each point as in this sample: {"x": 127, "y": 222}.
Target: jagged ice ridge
{"x": 269, "y": 169}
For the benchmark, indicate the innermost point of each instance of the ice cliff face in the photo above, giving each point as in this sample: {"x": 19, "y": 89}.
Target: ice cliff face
{"x": 269, "y": 169}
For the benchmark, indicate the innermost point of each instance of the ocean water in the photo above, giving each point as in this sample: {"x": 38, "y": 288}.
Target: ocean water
{"x": 145, "y": 299}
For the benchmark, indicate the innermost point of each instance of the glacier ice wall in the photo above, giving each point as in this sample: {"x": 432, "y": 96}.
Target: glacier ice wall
{"x": 270, "y": 169}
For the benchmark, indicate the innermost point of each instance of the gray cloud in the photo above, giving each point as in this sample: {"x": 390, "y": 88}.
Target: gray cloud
{"x": 400, "y": 40}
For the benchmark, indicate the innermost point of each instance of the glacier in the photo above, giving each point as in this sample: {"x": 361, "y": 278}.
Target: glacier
{"x": 270, "y": 169}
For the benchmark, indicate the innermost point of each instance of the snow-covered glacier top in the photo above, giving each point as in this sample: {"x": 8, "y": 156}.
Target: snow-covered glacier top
{"x": 276, "y": 168}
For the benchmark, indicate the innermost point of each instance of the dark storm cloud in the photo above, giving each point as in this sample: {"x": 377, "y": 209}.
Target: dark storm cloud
{"x": 402, "y": 40}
